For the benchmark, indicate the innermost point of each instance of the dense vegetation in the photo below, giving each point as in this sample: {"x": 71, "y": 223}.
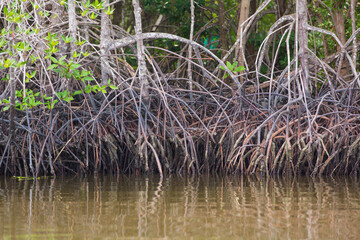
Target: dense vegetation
{"x": 265, "y": 87}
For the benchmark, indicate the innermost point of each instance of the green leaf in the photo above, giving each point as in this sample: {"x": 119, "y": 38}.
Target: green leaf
{"x": 84, "y": 73}
{"x": 31, "y": 101}
{"x": 68, "y": 75}
{"x": 3, "y": 42}
{"x": 75, "y": 66}
{"x": 33, "y": 74}
{"x": 54, "y": 60}
{"x": 93, "y": 16}
{"x": 47, "y": 98}
{"x": 53, "y": 103}
{"x": 229, "y": 65}
{"x": 77, "y": 92}
{"x": 60, "y": 94}
{"x": 38, "y": 103}
{"x": 113, "y": 87}
{"x": 79, "y": 43}
{"x": 239, "y": 69}
{"x": 52, "y": 66}
{"x": 21, "y": 64}
{"x": 87, "y": 88}
{"x": 88, "y": 78}
{"x": 18, "y": 93}
{"x": 84, "y": 12}
{"x": 62, "y": 59}
{"x": 9, "y": 62}
{"x": 29, "y": 76}
{"x": 109, "y": 11}
{"x": 95, "y": 88}
{"x": 76, "y": 74}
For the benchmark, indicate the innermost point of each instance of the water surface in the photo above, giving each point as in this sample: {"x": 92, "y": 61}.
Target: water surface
{"x": 208, "y": 207}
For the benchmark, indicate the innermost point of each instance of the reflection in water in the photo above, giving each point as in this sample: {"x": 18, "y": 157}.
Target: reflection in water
{"x": 205, "y": 207}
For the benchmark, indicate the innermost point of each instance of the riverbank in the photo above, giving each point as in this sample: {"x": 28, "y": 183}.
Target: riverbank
{"x": 90, "y": 96}
{"x": 234, "y": 135}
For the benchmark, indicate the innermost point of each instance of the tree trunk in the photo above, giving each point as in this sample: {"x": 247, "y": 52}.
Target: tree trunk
{"x": 104, "y": 38}
{"x": 244, "y": 7}
{"x": 302, "y": 35}
{"x": 353, "y": 29}
{"x": 72, "y": 24}
{"x": 143, "y": 80}
{"x": 281, "y": 4}
{"x": 339, "y": 22}
{"x": 85, "y": 33}
{"x": 157, "y": 23}
{"x": 251, "y": 50}
{"x": 189, "y": 70}
{"x": 12, "y": 83}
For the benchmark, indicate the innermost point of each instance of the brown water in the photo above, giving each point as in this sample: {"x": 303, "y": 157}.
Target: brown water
{"x": 208, "y": 207}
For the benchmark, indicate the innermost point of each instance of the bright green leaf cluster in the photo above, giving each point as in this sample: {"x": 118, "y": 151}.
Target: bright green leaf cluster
{"x": 233, "y": 67}
{"x": 24, "y": 99}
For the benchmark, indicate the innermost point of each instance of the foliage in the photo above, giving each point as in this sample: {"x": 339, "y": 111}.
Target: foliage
{"x": 233, "y": 67}
{"x": 325, "y": 13}
{"x": 66, "y": 67}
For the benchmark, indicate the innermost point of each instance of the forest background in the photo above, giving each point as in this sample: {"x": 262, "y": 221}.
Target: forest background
{"x": 256, "y": 87}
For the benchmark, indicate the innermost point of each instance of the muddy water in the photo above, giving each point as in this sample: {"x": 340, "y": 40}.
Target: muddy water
{"x": 209, "y": 207}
